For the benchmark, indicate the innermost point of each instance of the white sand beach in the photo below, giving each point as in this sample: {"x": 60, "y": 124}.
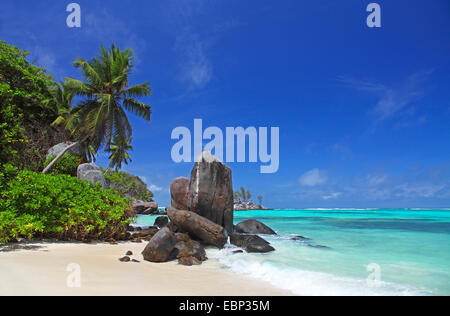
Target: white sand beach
{"x": 41, "y": 269}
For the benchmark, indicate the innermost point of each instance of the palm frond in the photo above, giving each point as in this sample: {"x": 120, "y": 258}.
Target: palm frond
{"x": 141, "y": 109}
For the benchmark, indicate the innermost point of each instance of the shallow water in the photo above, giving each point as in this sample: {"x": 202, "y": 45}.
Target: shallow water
{"x": 410, "y": 247}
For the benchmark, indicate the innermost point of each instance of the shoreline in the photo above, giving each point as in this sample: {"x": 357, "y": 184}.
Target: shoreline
{"x": 40, "y": 268}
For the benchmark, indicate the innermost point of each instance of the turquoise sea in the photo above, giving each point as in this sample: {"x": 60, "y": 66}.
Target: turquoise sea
{"x": 371, "y": 251}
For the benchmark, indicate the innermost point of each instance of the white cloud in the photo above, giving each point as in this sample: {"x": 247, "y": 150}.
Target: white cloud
{"x": 313, "y": 178}
{"x": 334, "y": 195}
{"x": 195, "y": 38}
{"x": 151, "y": 187}
{"x": 375, "y": 180}
{"x": 197, "y": 68}
{"x": 394, "y": 101}
{"x": 419, "y": 190}
{"x": 154, "y": 188}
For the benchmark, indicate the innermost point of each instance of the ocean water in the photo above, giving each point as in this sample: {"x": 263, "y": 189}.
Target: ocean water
{"x": 370, "y": 252}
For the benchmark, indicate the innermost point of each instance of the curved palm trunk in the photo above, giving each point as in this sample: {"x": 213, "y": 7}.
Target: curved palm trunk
{"x": 57, "y": 158}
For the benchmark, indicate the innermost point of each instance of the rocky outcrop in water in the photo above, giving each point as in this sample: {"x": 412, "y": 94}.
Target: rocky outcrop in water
{"x": 252, "y": 226}
{"x": 240, "y": 205}
{"x": 251, "y": 243}
{"x": 161, "y": 221}
{"x": 211, "y": 191}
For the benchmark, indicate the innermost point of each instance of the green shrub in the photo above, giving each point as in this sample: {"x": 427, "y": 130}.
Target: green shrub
{"x": 62, "y": 207}
{"x": 68, "y": 164}
{"x": 128, "y": 185}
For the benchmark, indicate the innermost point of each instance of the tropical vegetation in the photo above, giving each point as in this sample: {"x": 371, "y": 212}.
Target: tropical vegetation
{"x": 128, "y": 185}
{"x": 100, "y": 119}
{"x": 243, "y": 194}
{"x": 36, "y": 205}
{"x": 37, "y": 113}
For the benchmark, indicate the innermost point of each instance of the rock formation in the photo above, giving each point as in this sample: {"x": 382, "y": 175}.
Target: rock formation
{"x": 211, "y": 191}
{"x": 247, "y": 206}
{"x": 251, "y": 243}
{"x": 198, "y": 226}
{"x": 146, "y": 208}
{"x": 179, "y": 193}
{"x": 189, "y": 248}
{"x": 252, "y": 226}
{"x": 161, "y": 221}
{"x": 161, "y": 247}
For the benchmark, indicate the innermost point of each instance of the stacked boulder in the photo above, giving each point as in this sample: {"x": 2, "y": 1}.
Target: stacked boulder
{"x": 202, "y": 215}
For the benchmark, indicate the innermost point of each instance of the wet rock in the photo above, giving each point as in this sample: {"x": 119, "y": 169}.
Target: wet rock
{"x": 129, "y": 253}
{"x": 161, "y": 221}
{"x": 211, "y": 191}
{"x": 251, "y": 243}
{"x": 301, "y": 238}
{"x": 252, "y": 226}
{"x": 318, "y": 246}
{"x": 135, "y": 261}
{"x": 198, "y": 226}
{"x": 161, "y": 246}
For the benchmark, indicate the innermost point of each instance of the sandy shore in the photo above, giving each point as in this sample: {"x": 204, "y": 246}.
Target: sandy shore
{"x": 41, "y": 269}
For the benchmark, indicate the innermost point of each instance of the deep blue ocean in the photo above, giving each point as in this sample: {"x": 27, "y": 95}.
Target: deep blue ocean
{"x": 369, "y": 251}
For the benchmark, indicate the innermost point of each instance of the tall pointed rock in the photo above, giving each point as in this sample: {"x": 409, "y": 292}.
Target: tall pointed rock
{"x": 211, "y": 191}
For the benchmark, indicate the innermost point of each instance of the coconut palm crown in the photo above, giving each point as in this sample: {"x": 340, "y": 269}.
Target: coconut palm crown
{"x": 101, "y": 116}
{"x": 119, "y": 154}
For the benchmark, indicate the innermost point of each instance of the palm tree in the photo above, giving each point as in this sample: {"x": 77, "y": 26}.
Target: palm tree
{"x": 101, "y": 116}
{"x": 62, "y": 99}
{"x": 244, "y": 194}
{"x": 118, "y": 150}
{"x": 260, "y": 198}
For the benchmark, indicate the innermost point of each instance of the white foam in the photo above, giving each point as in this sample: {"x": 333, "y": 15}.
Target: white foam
{"x": 300, "y": 282}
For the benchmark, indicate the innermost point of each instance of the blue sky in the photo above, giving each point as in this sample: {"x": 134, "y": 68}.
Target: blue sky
{"x": 363, "y": 113}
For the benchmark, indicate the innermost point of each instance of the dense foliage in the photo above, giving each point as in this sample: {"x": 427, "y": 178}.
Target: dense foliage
{"x": 59, "y": 206}
{"x": 128, "y": 185}
{"x": 35, "y": 114}
{"x": 68, "y": 164}
{"x": 11, "y": 133}
{"x": 26, "y": 110}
